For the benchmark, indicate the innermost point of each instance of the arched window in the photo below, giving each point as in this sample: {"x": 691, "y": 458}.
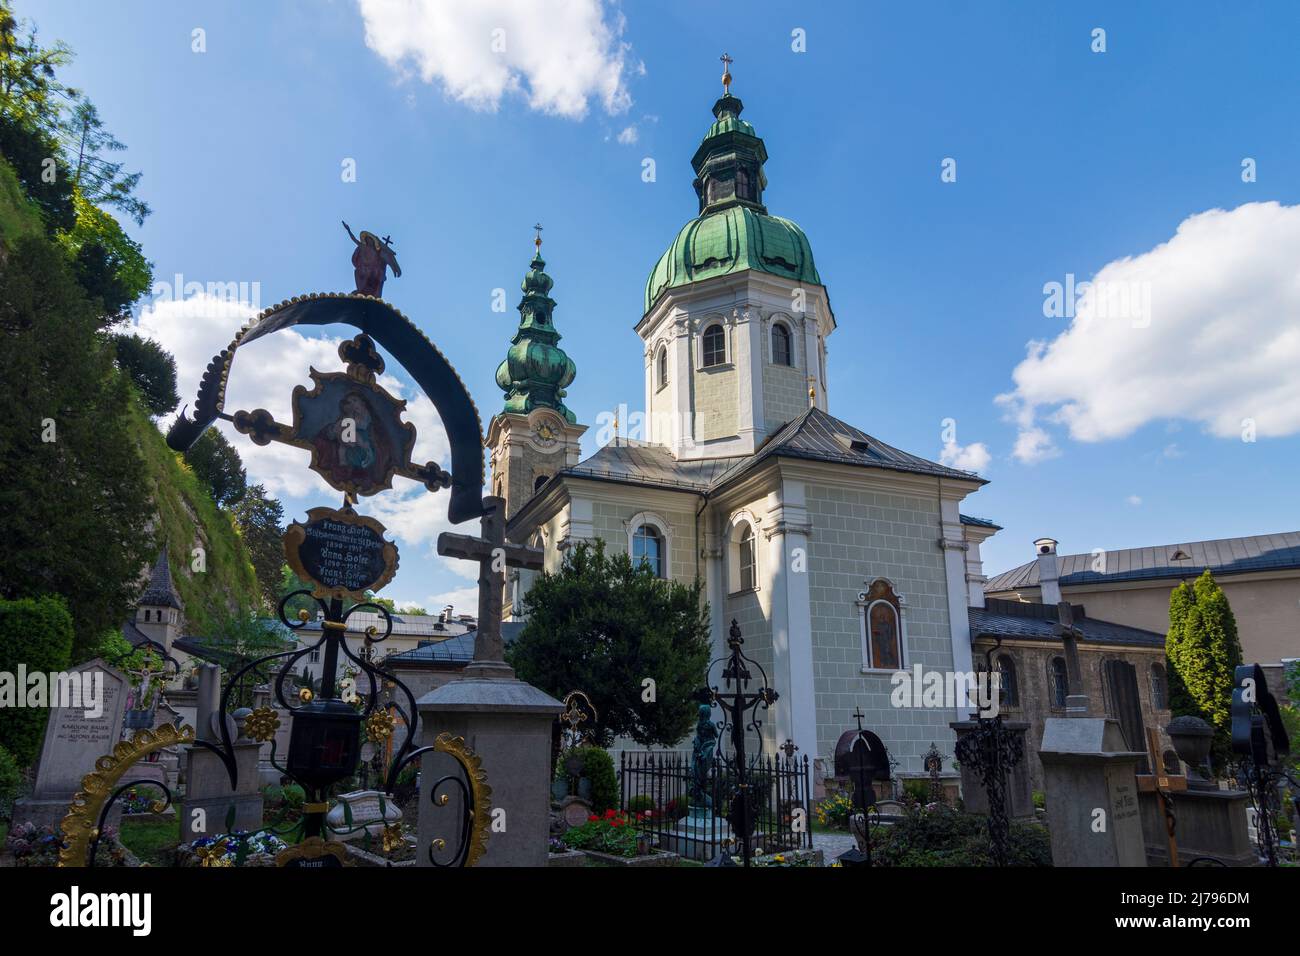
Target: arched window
{"x": 661, "y": 366}
{"x": 1159, "y": 687}
{"x": 1008, "y": 692}
{"x": 539, "y": 481}
{"x": 648, "y": 549}
{"x": 882, "y": 627}
{"x": 781, "y": 354}
{"x": 1058, "y": 682}
{"x": 714, "y": 351}
{"x": 745, "y": 559}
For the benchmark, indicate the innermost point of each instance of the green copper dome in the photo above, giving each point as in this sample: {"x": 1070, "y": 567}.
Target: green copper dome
{"x": 536, "y": 371}
{"x": 733, "y": 231}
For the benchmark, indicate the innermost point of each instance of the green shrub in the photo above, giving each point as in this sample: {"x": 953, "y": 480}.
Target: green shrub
{"x": 945, "y": 837}
{"x": 10, "y": 780}
{"x": 917, "y": 791}
{"x": 37, "y": 633}
{"x": 1040, "y": 800}
{"x": 598, "y": 767}
{"x": 640, "y": 803}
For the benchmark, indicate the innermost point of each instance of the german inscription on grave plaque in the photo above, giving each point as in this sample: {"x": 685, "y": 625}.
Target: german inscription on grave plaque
{"x": 341, "y": 553}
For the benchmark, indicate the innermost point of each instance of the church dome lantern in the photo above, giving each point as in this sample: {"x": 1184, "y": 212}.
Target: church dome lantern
{"x": 536, "y": 370}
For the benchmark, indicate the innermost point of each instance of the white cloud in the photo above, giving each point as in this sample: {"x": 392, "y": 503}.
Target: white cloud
{"x": 628, "y": 136}
{"x": 559, "y": 54}
{"x": 972, "y": 457}
{"x": 1033, "y": 445}
{"x": 1134, "y": 500}
{"x": 1219, "y": 343}
{"x": 463, "y": 601}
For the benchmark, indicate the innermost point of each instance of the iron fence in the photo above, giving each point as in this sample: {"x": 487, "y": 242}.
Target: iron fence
{"x": 655, "y": 788}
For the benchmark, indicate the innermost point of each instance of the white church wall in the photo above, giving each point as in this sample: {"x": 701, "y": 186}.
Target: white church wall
{"x": 860, "y": 535}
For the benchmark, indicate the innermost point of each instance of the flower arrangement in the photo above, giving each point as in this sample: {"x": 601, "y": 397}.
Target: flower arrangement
{"x": 232, "y": 849}
{"x": 835, "y": 811}
{"x": 614, "y": 833}
{"x": 33, "y": 845}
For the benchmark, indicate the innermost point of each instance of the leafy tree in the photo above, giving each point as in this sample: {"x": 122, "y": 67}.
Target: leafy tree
{"x": 36, "y": 632}
{"x": 109, "y": 264}
{"x": 74, "y": 504}
{"x": 29, "y": 88}
{"x": 237, "y": 637}
{"x": 99, "y": 179}
{"x": 602, "y": 625}
{"x": 411, "y": 609}
{"x": 290, "y": 582}
{"x": 260, "y": 519}
{"x": 39, "y": 166}
{"x": 1203, "y": 651}
{"x": 216, "y": 463}
{"x": 153, "y": 370}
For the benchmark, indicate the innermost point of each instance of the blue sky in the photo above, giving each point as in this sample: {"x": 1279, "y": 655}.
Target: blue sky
{"x": 1069, "y": 161}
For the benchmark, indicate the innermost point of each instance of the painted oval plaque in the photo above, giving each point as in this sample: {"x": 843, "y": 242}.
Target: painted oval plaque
{"x": 340, "y": 553}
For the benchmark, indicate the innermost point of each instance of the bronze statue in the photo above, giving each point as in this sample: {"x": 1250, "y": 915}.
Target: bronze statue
{"x": 706, "y": 741}
{"x": 370, "y": 259}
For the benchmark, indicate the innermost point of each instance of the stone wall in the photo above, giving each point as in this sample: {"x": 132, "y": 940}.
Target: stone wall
{"x": 1034, "y": 688}
{"x": 859, "y": 536}
{"x": 715, "y": 403}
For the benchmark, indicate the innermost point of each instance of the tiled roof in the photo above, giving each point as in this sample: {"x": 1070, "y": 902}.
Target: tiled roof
{"x": 639, "y": 463}
{"x": 454, "y": 650}
{"x": 814, "y": 436}
{"x": 817, "y": 436}
{"x": 160, "y": 592}
{"x": 404, "y": 625}
{"x": 1021, "y": 620}
{"x": 1262, "y": 552}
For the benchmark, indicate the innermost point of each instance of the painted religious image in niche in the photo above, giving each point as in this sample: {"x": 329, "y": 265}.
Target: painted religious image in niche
{"x": 883, "y": 632}
{"x": 355, "y": 430}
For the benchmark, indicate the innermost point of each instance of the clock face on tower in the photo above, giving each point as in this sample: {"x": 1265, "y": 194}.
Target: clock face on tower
{"x": 545, "y": 434}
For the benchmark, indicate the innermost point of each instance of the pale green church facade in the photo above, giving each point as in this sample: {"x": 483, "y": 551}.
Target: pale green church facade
{"x": 844, "y": 560}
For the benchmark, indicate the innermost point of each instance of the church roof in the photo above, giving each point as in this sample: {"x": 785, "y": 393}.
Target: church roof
{"x": 160, "y": 592}
{"x": 1261, "y": 552}
{"x": 1021, "y": 620}
{"x": 639, "y": 463}
{"x": 454, "y": 650}
{"x": 818, "y": 436}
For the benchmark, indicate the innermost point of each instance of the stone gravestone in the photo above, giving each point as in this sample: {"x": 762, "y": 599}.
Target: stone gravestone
{"x": 1019, "y": 793}
{"x": 207, "y": 785}
{"x": 505, "y": 721}
{"x": 75, "y": 738}
{"x": 1092, "y": 794}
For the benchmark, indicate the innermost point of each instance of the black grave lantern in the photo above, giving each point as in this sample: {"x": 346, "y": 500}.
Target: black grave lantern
{"x": 325, "y": 744}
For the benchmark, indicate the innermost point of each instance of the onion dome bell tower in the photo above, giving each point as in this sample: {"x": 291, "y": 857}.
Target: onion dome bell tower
{"x": 735, "y": 317}
{"x": 535, "y": 435}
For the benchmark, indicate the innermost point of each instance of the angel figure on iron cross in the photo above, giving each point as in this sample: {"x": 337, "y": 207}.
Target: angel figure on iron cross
{"x": 370, "y": 260}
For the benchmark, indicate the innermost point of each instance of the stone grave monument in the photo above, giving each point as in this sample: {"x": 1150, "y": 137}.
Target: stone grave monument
{"x": 207, "y": 784}
{"x": 75, "y": 737}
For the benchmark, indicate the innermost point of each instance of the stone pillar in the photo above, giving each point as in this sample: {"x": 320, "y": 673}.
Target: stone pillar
{"x": 787, "y": 531}
{"x": 1092, "y": 795}
{"x": 953, "y": 543}
{"x": 507, "y": 723}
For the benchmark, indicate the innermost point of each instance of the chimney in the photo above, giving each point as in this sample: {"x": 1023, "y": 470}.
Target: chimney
{"x": 446, "y": 613}
{"x": 1049, "y": 572}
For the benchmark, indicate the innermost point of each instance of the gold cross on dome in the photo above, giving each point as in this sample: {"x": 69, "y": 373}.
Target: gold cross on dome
{"x": 537, "y": 240}
{"x": 726, "y": 73}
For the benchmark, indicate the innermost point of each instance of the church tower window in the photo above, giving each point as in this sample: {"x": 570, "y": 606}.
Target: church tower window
{"x": 661, "y": 366}
{"x": 714, "y": 346}
{"x": 647, "y": 549}
{"x": 781, "y": 354}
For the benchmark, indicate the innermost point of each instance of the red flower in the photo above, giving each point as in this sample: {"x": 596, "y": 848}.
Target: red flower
{"x": 615, "y": 823}
{"x": 609, "y": 814}
{"x": 593, "y": 818}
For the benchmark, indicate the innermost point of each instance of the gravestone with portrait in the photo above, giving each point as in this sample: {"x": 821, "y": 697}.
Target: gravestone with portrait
{"x": 84, "y": 727}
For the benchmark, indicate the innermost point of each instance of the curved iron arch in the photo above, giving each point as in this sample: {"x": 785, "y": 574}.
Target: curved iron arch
{"x": 396, "y": 333}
